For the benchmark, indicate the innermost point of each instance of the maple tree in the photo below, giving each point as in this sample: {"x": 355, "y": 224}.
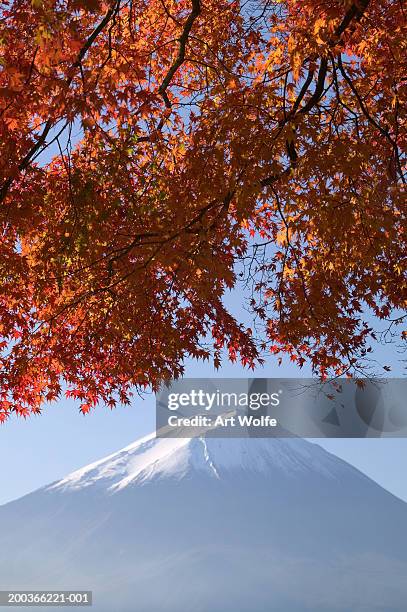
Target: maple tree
{"x": 149, "y": 146}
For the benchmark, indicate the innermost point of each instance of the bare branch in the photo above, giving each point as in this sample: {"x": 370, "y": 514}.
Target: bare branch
{"x": 183, "y": 39}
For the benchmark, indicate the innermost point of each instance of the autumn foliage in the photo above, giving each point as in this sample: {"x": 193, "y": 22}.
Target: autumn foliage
{"x": 152, "y": 152}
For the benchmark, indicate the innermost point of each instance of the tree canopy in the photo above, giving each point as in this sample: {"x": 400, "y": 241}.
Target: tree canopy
{"x": 152, "y": 152}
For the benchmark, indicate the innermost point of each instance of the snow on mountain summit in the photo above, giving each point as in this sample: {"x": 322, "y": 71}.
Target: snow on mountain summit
{"x": 151, "y": 458}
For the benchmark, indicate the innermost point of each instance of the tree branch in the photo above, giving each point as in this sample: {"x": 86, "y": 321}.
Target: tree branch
{"x": 356, "y": 11}
{"x": 25, "y": 162}
{"x": 196, "y": 9}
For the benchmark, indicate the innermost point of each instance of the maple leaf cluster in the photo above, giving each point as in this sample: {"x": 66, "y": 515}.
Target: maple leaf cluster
{"x": 149, "y": 147}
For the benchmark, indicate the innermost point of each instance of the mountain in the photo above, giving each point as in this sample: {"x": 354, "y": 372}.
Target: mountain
{"x": 212, "y": 525}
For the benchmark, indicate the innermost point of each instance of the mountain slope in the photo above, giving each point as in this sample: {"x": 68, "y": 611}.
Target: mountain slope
{"x": 212, "y": 525}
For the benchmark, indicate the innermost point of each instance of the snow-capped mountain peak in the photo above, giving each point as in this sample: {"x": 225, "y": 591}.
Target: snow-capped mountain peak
{"x": 152, "y": 458}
